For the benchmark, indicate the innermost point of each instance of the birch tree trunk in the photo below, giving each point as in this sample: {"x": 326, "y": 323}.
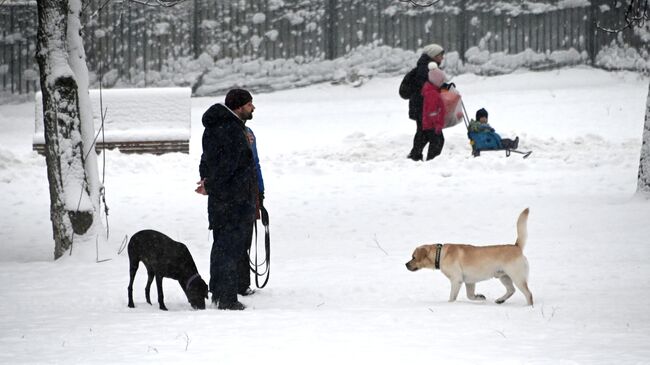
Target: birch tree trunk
{"x": 71, "y": 209}
{"x": 77, "y": 55}
{"x": 643, "y": 185}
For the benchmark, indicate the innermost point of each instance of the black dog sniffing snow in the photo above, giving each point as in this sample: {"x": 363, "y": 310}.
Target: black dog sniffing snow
{"x": 164, "y": 257}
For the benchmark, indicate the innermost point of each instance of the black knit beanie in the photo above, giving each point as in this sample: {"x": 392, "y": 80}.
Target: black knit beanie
{"x": 237, "y": 98}
{"x": 481, "y": 113}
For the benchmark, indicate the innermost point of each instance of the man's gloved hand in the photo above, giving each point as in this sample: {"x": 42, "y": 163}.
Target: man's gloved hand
{"x": 260, "y": 197}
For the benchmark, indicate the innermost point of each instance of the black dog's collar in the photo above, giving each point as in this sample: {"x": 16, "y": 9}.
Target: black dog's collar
{"x": 190, "y": 280}
{"x": 438, "y": 249}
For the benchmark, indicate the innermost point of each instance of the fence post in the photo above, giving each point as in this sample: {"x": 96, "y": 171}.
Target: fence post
{"x": 591, "y": 31}
{"x": 330, "y": 30}
{"x": 195, "y": 29}
{"x": 12, "y": 67}
{"x": 145, "y": 46}
{"x": 20, "y": 68}
{"x": 462, "y": 30}
{"x": 129, "y": 45}
{"x": 3, "y": 60}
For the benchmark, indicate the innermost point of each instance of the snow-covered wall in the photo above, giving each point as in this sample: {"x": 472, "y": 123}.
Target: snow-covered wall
{"x": 151, "y": 114}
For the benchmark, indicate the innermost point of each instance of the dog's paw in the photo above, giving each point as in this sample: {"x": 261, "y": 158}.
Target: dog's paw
{"x": 131, "y": 305}
{"x": 499, "y": 301}
{"x": 476, "y": 297}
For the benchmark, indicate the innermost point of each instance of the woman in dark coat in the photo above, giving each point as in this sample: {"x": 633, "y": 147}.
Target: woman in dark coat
{"x": 431, "y": 53}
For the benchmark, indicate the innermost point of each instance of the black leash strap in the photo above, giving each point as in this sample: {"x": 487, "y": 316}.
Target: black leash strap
{"x": 266, "y": 263}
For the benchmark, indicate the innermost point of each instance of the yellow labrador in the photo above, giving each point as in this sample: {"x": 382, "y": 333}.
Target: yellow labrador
{"x": 470, "y": 264}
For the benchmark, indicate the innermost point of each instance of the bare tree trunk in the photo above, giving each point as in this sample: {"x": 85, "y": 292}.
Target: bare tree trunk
{"x": 644, "y": 164}
{"x": 70, "y": 207}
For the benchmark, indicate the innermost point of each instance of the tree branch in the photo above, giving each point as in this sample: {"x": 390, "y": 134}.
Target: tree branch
{"x": 155, "y": 3}
{"x": 635, "y": 16}
{"x": 420, "y": 4}
{"x": 379, "y": 246}
{"x": 163, "y": 3}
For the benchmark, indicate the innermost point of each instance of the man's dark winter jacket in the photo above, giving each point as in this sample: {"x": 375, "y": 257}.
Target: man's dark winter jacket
{"x": 421, "y": 76}
{"x": 228, "y": 166}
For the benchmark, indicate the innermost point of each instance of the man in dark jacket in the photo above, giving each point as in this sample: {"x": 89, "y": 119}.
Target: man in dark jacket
{"x": 229, "y": 179}
{"x": 430, "y": 53}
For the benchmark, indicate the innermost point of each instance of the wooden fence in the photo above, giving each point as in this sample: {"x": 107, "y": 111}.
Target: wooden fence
{"x": 128, "y": 39}
{"x": 18, "y": 68}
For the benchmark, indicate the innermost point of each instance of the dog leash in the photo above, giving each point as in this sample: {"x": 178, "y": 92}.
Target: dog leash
{"x": 255, "y": 266}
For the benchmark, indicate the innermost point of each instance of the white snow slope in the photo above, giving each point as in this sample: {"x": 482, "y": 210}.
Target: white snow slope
{"x": 347, "y": 209}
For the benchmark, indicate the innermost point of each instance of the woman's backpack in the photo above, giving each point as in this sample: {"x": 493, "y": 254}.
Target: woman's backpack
{"x": 408, "y": 87}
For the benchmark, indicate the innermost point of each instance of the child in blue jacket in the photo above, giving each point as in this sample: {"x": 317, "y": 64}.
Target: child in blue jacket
{"x": 485, "y": 137}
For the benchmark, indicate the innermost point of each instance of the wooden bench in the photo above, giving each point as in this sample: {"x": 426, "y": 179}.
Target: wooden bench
{"x": 151, "y": 120}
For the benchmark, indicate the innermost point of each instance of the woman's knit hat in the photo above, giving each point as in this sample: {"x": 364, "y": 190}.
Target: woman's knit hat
{"x": 433, "y": 50}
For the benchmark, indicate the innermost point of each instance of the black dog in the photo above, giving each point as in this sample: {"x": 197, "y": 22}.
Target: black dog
{"x": 164, "y": 257}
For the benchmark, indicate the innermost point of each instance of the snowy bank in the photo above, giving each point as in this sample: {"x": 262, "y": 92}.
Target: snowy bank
{"x": 347, "y": 208}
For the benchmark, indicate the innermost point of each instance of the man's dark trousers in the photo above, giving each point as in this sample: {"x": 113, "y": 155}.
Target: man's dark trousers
{"x": 230, "y": 242}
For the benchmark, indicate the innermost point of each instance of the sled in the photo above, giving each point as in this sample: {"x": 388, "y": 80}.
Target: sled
{"x": 487, "y": 141}
{"x": 490, "y": 141}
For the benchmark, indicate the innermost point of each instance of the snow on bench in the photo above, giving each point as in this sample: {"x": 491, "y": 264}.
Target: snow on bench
{"x": 151, "y": 120}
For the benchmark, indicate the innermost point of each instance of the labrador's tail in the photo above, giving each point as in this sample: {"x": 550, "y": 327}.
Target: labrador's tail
{"x": 522, "y": 230}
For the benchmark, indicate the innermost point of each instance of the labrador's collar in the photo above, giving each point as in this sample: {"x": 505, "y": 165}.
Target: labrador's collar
{"x": 438, "y": 250}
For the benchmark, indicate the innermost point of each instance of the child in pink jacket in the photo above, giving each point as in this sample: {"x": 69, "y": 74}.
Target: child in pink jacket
{"x": 433, "y": 111}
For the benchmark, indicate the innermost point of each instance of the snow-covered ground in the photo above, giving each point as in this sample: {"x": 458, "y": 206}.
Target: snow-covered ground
{"x": 347, "y": 208}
